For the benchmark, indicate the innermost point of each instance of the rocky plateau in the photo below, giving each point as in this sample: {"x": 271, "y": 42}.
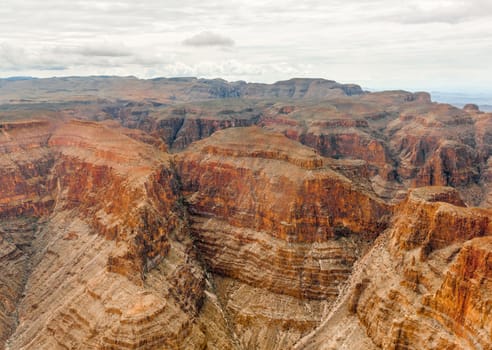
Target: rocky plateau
{"x": 189, "y": 213}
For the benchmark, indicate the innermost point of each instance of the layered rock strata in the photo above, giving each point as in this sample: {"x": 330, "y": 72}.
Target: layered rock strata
{"x": 112, "y": 268}
{"x": 275, "y": 185}
{"x": 424, "y": 285}
{"x": 265, "y": 222}
{"x": 246, "y": 239}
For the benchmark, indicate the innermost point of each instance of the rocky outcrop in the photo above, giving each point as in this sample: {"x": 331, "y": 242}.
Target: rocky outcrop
{"x": 302, "y": 271}
{"x": 332, "y": 132}
{"x": 428, "y": 269}
{"x": 429, "y": 219}
{"x": 25, "y": 163}
{"x": 96, "y": 163}
{"x": 72, "y": 300}
{"x": 462, "y": 302}
{"x": 299, "y": 221}
{"x": 404, "y": 295}
{"x": 441, "y": 145}
{"x": 262, "y": 215}
{"x": 301, "y": 88}
{"x": 16, "y": 236}
{"x": 89, "y": 276}
{"x": 295, "y": 208}
{"x": 180, "y": 126}
{"x": 404, "y": 139}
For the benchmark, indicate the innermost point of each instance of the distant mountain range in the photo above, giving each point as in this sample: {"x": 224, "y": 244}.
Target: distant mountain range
{"x": 458, "y": 99}
{"x": 484, "y": 101}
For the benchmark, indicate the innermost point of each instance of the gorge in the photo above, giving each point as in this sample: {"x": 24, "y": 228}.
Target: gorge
{"x": 188, "y": 213}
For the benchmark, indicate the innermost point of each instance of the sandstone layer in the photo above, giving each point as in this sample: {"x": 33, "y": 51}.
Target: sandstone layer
{"x": 110, "y": 267}
{"x": 263, "y": 213}
{"x": 414, "y": 289}
{"x": 200, "y": 214}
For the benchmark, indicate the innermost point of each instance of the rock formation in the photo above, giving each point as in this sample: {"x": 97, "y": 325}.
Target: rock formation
{"x": 201, "y": 214}
{"x": 263, "y": 214}
{"x": 410, "y": 290}
{"x": 111, "y": 222}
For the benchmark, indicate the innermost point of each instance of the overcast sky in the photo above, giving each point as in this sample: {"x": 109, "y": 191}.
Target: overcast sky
{"x": 380, "y": 44}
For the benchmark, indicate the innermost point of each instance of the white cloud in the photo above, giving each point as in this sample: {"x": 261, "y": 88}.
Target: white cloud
{"x": 411, "y": 44}
{"x": 450, "y": 11}
{"x": 208, "y": 39}
{"x": 102, "y": 49}
{"x": 16, "y": 59}
{"x": 235, "y": 70}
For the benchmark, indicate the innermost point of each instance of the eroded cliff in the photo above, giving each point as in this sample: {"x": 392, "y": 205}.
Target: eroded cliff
{"x": 111, "y": 265}
{"x": 422, "y": 285}
{"x": 293, "y": 215}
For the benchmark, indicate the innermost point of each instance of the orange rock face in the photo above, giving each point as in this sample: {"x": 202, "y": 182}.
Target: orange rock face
{"x": 403, "y": 294}
{"x": 200, "y": 214}
{"x": 233, "y": 184}
{"x": 281, "y": 188}
{"x": 424, "y": 221}
{"x": 112, "y": 209}
{"x": 25, "y": 164}
{"x": 262, "y": 213}
{"x": 463, "y": 301}
{"x": 438, "y": 277}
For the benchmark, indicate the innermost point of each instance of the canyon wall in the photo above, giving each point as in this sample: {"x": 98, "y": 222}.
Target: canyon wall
{"x": 201, "y": 214}
{"x": 110, "y": 265}
{"x": 423, "y": 285}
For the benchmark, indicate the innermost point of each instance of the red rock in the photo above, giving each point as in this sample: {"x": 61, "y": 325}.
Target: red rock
{"x": 275, "y": 236}
{"x": 261, "y": 180}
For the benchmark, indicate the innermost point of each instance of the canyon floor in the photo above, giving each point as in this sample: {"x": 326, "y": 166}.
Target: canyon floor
{"x": 189, "y": 213}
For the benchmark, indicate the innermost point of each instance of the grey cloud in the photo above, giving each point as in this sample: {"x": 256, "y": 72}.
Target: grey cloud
{"x": 102, "y": 49}
{"x": 17, "y": 58}
{"x": 103, "y": 52}
{"x": 101, "y": 55}
{"x": 346, "y": 40}
{"x": 208, "y": 39}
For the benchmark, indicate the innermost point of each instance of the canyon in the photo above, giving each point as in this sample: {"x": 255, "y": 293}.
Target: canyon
{"x": 188, "y": 213}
